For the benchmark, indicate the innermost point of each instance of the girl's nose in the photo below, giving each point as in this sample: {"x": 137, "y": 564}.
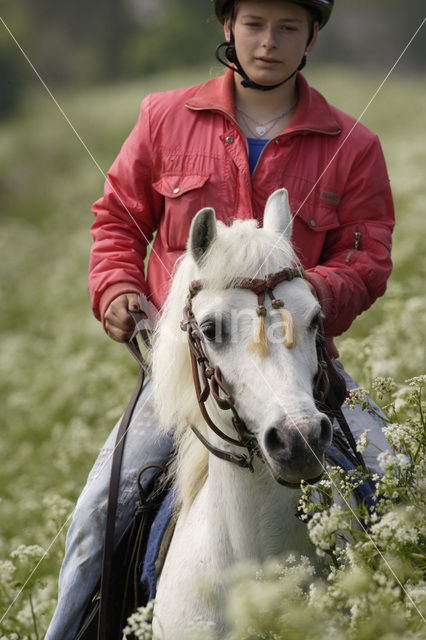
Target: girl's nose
{"x": 269, "y": 39}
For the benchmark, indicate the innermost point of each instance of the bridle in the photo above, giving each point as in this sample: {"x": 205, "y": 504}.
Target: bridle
{"x": 208, "y": 380}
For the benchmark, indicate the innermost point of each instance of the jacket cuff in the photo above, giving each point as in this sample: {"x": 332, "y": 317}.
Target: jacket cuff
{"x": 112, "y": 293}
{"x": 323, "y": 290}
{"x": 325, "y": 298}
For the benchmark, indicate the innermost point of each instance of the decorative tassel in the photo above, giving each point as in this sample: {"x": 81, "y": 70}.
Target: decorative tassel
{"x": 289, "y": 330}
{"x": 260, "y": 338}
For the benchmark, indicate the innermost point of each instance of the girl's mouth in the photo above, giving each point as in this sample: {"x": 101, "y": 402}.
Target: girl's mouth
{"x": 268, "y": 61}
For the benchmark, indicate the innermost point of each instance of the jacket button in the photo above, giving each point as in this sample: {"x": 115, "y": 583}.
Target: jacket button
{"x": 229, "y": 140}
{"x": 176, "y": 190}
{"x": 313, "y": 223}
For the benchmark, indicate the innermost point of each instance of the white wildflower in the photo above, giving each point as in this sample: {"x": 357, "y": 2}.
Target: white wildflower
{"x": 395, "y": 527}
{"x": 28, "y": 554}
{"x": 200, "y": 629}
{"x": 363, "y": 441}
{"x": 324, "y": 527}
{"x": 140, "y": 623}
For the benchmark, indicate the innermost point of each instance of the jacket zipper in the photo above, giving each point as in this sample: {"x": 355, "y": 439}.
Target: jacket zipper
{"x": 357, "y": 235}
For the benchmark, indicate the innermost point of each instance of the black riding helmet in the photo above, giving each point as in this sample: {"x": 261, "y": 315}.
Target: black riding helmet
{"x": 320, "y": 10}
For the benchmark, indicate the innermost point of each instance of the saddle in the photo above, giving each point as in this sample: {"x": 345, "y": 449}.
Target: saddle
{"x": 132, "y": 572}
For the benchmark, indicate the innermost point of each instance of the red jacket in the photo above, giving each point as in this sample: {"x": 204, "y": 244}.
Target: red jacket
{"x": 187, "y": 152}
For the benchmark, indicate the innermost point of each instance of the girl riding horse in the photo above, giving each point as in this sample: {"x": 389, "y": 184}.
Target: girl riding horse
{"x": 229, "y": 143}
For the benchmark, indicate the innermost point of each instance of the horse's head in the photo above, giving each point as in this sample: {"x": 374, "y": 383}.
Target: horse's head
{"x": 261, "y": 334}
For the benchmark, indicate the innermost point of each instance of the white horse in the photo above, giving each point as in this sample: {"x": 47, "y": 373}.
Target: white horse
{"x": 225, "y": 513}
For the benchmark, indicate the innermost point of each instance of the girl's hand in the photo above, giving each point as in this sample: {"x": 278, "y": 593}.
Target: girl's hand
{"x": 118, "y": 322}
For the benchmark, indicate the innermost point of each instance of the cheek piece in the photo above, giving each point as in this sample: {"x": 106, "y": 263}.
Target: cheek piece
{"x": 234, "y": 64}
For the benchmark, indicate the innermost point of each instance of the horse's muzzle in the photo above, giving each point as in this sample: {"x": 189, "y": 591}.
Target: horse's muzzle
{"x": 295, "y": 450}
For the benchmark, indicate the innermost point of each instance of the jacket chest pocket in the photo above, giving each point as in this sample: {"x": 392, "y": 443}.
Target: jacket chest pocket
{"x": 183, "y": 196}
{"x": 310, "y": 228}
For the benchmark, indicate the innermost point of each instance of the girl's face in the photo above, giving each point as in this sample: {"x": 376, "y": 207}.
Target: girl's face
{"x": 270, "y": 38}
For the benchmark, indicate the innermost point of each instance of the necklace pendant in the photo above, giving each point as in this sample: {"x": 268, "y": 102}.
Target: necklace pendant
{"x": 261, "y": 130}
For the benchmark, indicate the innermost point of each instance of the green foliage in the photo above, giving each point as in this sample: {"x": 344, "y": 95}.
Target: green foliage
{"x": 186, "y": 36}
{"x": 369, "y": 581}
{"x": 372, "y": 586}
{"x": 64, "y": 383}
{"x": 78, "y": 43}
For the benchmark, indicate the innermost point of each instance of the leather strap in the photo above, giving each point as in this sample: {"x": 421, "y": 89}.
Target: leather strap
{"x": 331, "y": 397}
{"x": 237, "y": 458}
{"x": 141, "y": 330}
{"x": 105, "y": 632}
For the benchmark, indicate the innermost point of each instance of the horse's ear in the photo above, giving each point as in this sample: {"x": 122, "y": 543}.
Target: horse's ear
{"x": 202, "y": 232}
{"x": 277, "y": 216}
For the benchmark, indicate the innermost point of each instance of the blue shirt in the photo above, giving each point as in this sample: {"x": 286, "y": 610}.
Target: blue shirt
{"x": 255, "y": 149}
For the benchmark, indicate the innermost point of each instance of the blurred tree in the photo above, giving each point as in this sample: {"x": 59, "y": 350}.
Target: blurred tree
{"x": 13, "y": 68}
{"x": 373, "y": 33}
{"x": 77, "y": 41}
{"x": 185, "y": 34}
{"x": 9, "y": 78}
{"x": 102, "y": 40}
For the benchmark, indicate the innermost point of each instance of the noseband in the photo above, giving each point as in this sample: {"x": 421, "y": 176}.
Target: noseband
{"x": 208, "y": 380}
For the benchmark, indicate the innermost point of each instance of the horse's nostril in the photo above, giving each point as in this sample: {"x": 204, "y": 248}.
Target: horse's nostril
{"x": 274, "y": 442}
{"x": 325, "y": 432}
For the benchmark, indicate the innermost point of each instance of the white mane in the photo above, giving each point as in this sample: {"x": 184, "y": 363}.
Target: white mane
{"x": 241, "y": 250}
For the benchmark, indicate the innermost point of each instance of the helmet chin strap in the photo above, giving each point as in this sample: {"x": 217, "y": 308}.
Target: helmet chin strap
{"x": 235, "y": 65}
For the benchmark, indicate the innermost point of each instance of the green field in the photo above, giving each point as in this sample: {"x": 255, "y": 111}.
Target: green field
{"x": 64, "y": 383}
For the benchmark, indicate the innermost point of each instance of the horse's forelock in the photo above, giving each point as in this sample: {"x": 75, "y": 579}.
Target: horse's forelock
{"x": 245, "y": 251}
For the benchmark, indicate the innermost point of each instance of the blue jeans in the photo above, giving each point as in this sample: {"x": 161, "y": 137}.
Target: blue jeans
{"x": 84, "y": 548}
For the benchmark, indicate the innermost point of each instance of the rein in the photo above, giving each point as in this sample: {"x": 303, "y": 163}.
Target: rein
{"x": 329, "y": 387}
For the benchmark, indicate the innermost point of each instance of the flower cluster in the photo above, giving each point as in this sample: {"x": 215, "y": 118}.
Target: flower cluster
{"x": 139, "y": 625}
{"x": 371, "y": 562}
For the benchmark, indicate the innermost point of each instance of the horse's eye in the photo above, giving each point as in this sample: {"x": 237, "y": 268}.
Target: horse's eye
{"x": 209, "y": 330}
{"x": 314, "y": 323}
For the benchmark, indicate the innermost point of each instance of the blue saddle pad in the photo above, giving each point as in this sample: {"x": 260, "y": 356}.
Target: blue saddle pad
{"x": 158, "y": 529}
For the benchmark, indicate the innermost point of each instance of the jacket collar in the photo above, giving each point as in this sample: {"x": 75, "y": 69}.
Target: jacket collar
{"x": 313, "y": 112}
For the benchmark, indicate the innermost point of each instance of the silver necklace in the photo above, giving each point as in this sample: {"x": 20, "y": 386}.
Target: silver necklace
{"x": 262, "y": 128}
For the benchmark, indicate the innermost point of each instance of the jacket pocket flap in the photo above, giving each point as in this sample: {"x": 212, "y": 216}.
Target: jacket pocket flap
{"x": 316, "y": 218}
{"x": 174, "y": 186}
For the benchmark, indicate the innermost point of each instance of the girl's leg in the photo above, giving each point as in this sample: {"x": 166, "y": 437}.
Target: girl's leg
{"x": 359, "y": 420}
{"x": 81, "y": 567}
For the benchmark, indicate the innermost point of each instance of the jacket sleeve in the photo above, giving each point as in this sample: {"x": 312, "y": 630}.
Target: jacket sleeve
{"x": 125, "y": 219}
{"x": 356, "y": 262}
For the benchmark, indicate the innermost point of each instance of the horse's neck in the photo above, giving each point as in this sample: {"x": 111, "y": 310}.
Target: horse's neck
{"x": 250, "y": 515}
